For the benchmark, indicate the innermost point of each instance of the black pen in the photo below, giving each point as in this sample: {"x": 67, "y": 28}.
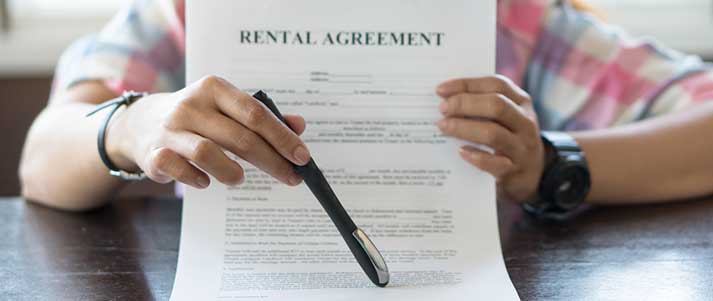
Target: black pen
{"x": 365, "y": 252}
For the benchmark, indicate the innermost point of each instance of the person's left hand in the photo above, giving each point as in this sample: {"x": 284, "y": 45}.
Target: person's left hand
{"x": 495, "y": 112}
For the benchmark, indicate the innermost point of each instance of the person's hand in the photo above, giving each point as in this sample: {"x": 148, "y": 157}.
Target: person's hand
{"x": 182, "y": 136}
{"x": 494, "y": 112}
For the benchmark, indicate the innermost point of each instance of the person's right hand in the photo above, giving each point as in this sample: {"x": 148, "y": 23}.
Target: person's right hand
{"x": 182, "y": 136}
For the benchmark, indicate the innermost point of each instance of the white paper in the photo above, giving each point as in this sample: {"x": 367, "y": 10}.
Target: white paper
{"x": 371, "y": 112}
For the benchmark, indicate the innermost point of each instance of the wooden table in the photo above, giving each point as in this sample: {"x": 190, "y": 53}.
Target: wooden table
{"x": 128, "y": 251}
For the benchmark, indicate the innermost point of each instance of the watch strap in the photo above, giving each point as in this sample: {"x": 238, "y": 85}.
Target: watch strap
{"x": 562, "y": 154}
{"x": 561, "y": 141}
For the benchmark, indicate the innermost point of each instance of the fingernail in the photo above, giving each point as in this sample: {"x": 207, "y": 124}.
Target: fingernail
{"x": 439, "y": 89}
{"x": 442, "y": 89}
{"x": 203, "y": 182}
{"x": 463, "y": 152}
{"x": 294, "y": 179}
{"x": 442, "y": 124}
{"x": 302, "y": 155}
{"x": 443, "y": 107}
{"x": 467, "y": 153}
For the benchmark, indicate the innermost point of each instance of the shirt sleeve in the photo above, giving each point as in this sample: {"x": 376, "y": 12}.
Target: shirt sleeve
{"x": 584, "y": 74}
{"x": 142, "y": 48}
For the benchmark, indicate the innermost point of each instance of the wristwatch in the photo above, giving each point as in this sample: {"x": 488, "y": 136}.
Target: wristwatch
{"x": 565, "y": 181}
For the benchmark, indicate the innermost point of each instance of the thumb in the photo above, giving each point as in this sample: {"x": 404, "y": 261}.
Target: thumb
{"x": 296, "y": 123}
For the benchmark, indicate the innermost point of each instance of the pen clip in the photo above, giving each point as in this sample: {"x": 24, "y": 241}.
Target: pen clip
{"x": 382, "y": 271}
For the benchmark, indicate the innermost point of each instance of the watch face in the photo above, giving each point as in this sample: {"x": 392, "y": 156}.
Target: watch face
{"x": 571, "y": 185}
{"x": 566, "y": 181}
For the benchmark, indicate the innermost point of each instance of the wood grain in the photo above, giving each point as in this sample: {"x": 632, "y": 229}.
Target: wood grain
{"x": 128, "y": 251}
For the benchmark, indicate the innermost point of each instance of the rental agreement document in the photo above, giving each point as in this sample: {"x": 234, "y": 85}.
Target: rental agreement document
{"x": 363, "y": 74}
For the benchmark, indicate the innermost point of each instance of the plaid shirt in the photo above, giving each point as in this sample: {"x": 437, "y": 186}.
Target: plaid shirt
{"x": 581, "y": 73}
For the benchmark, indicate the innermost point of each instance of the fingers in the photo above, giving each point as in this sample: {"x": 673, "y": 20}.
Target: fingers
{"x": 206, "y": 155}
{"x": 245, "y": 109}
{"x": 249, "y": 146}
{"x": 496, "y": 165}
{"x": 489, "y": 84}
{"x": 211, "y": 117}
{"x": 481, "y": 132}
{"x": 492, "y": 106}
{"x": 166, "y": 165}
{"x": 494, "y": 112}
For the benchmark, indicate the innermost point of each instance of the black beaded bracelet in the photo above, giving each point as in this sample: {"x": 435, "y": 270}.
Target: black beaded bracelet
{"x": 127, "y": 98}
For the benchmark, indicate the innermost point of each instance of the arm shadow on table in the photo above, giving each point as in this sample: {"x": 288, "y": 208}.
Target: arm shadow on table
{"x": 612, "y": 251}
{"x": 624, "y": 220}
{"x": 123, "y": 249}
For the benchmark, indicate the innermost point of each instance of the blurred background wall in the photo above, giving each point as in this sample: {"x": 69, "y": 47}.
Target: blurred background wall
{"x": 33, "y": 34}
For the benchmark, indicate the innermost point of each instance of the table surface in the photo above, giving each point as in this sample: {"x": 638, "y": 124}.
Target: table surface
{"x": 128, "y": 251}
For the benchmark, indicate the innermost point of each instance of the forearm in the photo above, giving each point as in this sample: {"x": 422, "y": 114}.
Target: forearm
{"x": 60, "y": 165}
{"x": 179, "y": 136}
{"x": 660, "y": 159}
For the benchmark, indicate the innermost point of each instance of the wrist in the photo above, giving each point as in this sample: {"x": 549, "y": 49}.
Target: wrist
{"x": 119, "y": 139}
{"x": 565, "y": 181}
{"x": 546, "y": 157}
